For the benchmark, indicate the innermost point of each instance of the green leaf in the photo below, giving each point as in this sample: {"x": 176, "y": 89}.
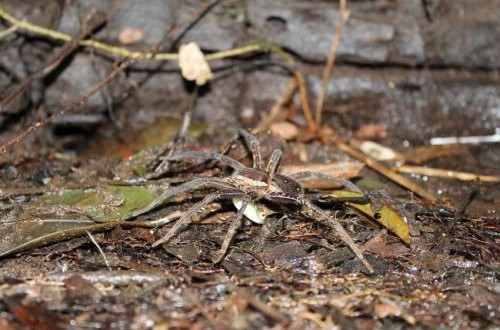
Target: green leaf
{"x": 25, "y": 235}
{"x": 104, "y": 203}
{"x": 106, "y": 207}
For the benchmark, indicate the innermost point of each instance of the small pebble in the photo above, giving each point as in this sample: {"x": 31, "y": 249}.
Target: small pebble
{"x": 10, "y": 172}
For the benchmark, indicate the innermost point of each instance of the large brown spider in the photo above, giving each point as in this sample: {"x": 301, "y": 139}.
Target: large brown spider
{"x": 248, "y": 187}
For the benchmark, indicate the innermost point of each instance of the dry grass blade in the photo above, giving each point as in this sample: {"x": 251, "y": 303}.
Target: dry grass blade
{"x": 377, "y": 166}
{"x": 447, "y": 174}
{"x": 343, "y": 16}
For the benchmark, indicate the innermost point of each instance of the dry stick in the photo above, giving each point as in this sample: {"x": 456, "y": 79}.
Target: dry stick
{"x": 120, "y": 51}
{"x": 92, "y": 22}
{"x": 178, "y": 33}
{"x": 148, "y": 55}
{"x": 186, "y": 121}
{"x": 344, "y": 15}
{"x": 447, "y": 174}
{"x": 399, "y": 179}
{"x": 100, "y": 250}
{"x": 304, "y": 96}
{"x": 8, "y": 31}
{"x": 377, "y": 166}
{"x": 188, "y": 115}
{"x": 123, "y": 52}
{"x": 304, "y": 101}
{"x": 55, "y": 35}
{"x": 94, "y": 89}
{"x": 41, "y": 123}
{"x": 277, "y": 107}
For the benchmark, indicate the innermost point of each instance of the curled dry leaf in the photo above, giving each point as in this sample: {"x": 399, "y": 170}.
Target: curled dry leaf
{"x": 193, "y": 64}
{"x": 341, "y": 169}
{"x": 378, "y": 151}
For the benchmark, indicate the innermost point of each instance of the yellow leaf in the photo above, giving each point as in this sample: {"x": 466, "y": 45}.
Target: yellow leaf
{"x": 386, "y": 216}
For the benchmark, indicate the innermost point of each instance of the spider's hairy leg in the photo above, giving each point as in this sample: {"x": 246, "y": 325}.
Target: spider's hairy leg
{"x": 204, "y": 156}
{"x": 199, "y": 183}
{"x": 233, "y": 228}
{"x": 314, "y": 212}
{"x": 193, "y": 210}
{"x": 336, "y": 182}
{"x": 253, "y": 144}
{"x": 274, "y": 162}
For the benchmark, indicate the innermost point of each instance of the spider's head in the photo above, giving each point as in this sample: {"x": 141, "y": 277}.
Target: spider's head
{"x": 286, "y": 190}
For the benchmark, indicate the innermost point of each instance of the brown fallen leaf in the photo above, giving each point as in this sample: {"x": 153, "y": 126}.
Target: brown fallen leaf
{"x": 423, "y": 154}
{"x": 371, "y": 132}
{"x": 341, "y": 169}
{"x": 380, "y": 246}
{"x": 129, "y": 35}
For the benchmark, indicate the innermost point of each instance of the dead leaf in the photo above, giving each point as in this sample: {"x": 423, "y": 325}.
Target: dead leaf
{"x": 285, "y": 130}
{"x": 423, "y": 154}
{"x": 371, "y": 132}
{"x": 193, "y": 64}
{"x": 129, "y": 35}
{"x": 28, "y": 233}
{"x": 378, "y": 151}
{"x": 386, "y": 216}
{"x": 381, "y": 247}
{"x": 341, "y": 169}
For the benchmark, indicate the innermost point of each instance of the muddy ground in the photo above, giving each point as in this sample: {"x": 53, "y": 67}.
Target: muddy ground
{"x": 406, "y": 72}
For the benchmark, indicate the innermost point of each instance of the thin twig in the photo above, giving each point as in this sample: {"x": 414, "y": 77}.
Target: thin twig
{"x": 377, "y": 166}
{"x": 41, "y": 123}
{"x": 277, "y": 107}
{"x": 304, "y": 96}
{"x": 8, "y": 31}
{"x": 304, "y": 102}
{"x": 188, "y": 115}
{"x": 120, "y": 51}
{"x": 94, "y": 89}
{"x": 343, "y": 16}
{"x": 181, "y": 32}
{"x": 92, "y": 22}
{"x": 153, "y": 54}
{"x": 100, "y": 250}
{"x": 447, "y": 174}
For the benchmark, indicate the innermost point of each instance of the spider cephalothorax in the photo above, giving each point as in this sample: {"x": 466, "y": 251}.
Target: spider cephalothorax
{"x": 248, "y": 188}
